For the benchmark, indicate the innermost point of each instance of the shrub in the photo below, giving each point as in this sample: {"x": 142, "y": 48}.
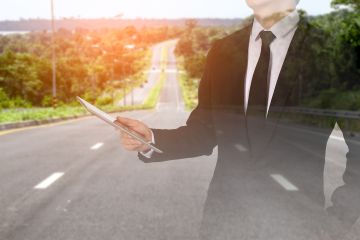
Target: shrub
{"x": 104, "y": 100}
{"x": 46, "y": 101}
{"x": 4, "y": 99}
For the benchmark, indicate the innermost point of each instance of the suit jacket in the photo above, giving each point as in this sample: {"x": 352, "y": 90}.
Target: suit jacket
{"x": 244, "y": 201}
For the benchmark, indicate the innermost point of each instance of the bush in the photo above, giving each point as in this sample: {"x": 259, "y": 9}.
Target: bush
{"x": 337, "y": 100}
{"x": 46, "y": 101}
{"x": 350, "y": 100}
{"x": 4, "y": 99}
{"x": 104, "y": 100}
{"x": 19, "y": 103}
{"x": 6, "y": 102}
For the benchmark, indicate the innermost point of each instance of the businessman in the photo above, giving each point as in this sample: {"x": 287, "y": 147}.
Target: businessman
{"x": 268, "y": 180}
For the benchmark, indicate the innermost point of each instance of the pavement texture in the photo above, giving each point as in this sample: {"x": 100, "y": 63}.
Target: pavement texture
{"x": 74, "y": 181}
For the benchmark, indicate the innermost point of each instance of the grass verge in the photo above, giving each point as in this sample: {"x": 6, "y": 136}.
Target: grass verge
{"x": 18, "y": 115}
{"x": 188, "y": 86}
{"x": 14, "y": 115}
{"x": 153, "y": 97}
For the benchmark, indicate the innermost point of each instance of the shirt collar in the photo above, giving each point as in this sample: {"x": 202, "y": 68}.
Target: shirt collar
{"x": 279, "y": 29}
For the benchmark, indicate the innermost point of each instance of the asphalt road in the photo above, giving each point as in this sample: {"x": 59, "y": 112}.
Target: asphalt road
{"x": 138, "y": 95}
{"x": 104, "y": 192}
{"x": 100, "y": 191}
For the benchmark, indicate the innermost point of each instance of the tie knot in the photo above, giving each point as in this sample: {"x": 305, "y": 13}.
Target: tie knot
{"x": 267, "y": 37}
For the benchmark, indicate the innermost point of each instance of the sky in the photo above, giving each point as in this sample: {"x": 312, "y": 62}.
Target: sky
{"x": 16, "y": 9}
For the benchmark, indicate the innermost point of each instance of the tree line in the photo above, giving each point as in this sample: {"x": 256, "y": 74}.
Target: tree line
{"x": 337, "y": 48}
{"x": 88, "y": 62}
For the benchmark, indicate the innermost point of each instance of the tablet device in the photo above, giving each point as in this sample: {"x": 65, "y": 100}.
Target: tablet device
{"x": 113, "y": 122}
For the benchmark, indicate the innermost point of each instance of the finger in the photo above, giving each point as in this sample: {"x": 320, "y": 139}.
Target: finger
{"x": 133, "y": 148}
{"x": 127, "y": 121}
{"x": 128, "y": 147}
{"x": 138, "y": 130}
{"x": 127, "y": 136}
{"x": 131, "y": 142}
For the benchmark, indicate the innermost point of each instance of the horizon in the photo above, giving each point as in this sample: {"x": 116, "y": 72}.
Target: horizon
{"x": 128, "y": 10}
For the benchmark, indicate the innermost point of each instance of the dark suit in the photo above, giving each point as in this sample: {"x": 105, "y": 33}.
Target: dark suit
{"x": 242, "y": 192}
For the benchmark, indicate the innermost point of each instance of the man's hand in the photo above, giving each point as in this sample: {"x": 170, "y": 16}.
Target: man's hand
{"x": 130, "y": 143}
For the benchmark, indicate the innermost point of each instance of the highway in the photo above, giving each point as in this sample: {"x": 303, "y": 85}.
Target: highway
{"x": 104, "y": 192}
{"x": 138, "y": 95}
{"x": 73, "y": 180}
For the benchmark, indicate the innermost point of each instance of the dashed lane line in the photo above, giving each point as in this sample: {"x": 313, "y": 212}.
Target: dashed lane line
{"x": 97, "y": 146}
{"x": 286, "y": 184}
{"x": 50, "y": 180}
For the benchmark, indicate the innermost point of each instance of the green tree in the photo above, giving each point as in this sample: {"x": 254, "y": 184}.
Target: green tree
{"x": 355, "y": 4}
{"x": 195, "y": 65}
{"x": 190, "y": 24}
{"x": 87, "y": 61}
{"x": 185, "y": 46}
{"x": 350, "y": 27}
{"x": 18, "y": 75}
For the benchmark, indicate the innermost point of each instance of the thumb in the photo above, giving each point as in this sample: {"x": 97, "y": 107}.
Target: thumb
{"x": 126, "y": 121}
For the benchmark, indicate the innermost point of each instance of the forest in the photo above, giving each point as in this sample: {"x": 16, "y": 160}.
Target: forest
{"x": 338, "y": 54}
{"x": 89, "y": 63}
{"x": 94, "y": 63}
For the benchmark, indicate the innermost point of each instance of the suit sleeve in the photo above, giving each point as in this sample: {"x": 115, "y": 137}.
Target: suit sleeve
{"x": 346, "y": 199}
{"x": 197, "y": 137}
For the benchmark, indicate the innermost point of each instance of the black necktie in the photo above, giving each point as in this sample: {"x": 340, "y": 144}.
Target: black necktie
{"x": 259, "y": 133}
{"x": 258, "y": 96}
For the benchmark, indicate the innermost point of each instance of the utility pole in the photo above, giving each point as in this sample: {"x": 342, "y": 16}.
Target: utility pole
{"x": 124, "y": 86}
{"x": 53, "y": 55}
{"x": 132, "y": 95}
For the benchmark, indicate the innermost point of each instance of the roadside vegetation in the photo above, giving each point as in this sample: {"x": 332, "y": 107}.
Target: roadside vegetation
{"x": 338, "y": 56}
{"x": 105, "y": 102}
{"x": 102, "y": 65}
{"x": 154, "y": 95}
{"x": 191, "y": 51}
{"x": 98, "y": 65}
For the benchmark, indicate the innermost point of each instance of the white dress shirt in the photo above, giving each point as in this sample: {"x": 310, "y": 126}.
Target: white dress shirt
{"x": 284, "y": 31}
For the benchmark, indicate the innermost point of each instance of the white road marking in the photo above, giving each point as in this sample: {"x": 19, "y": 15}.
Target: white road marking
{"x": 284, "y": 182}
{"x": 97, "y": 146}
{"x": 50, "y": 180}
{"x": 241, "y": 148}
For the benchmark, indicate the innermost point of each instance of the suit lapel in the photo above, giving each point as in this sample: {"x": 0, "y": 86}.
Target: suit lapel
{"x": 229, "y": 73}
{"x": 289, "y": 73}
{"x": 241, "y": 63}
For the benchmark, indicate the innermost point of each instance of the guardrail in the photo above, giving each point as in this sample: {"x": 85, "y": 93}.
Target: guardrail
{"x": 325, "y": 112}
{"x": 345, "y": 115}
